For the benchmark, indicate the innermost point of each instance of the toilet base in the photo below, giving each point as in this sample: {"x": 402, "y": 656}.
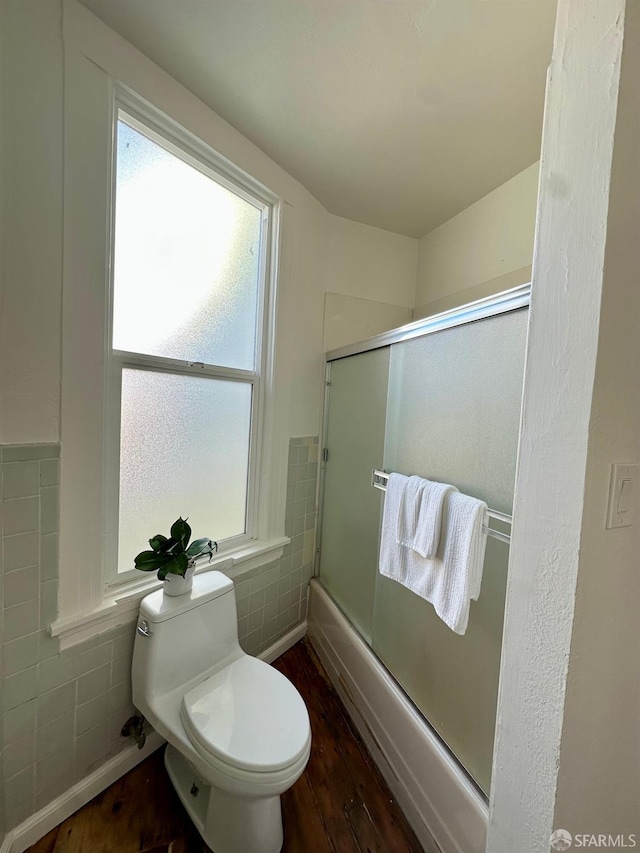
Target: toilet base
{"x": 226, "y": 822}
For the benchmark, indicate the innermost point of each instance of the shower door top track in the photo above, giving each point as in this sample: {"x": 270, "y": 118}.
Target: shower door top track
{"x": 490, "y": 306}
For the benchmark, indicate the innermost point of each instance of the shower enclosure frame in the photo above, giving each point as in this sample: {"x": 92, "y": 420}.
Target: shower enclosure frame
{"x": 439, "y": 798}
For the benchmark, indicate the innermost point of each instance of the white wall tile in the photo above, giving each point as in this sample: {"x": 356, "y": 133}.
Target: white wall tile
{"x": 49, "y": 557}
{"x": 49, "y": 509}
{"x": 91, "y": 747}
{"x": 49, "y": 472}
{"x": 120, "y": 670}
{"x": 92, "y": 714}
{"x": 20, "y": 515}
{"x": 19, "y": 755}
{"x": 20, "y": 550}
{"x": 21, "y": 620}
{"x": 20, "y": 688}
{"x": 19, "y": 796}
{"x": 55, "y": 736}
{"x": 93, "y": 684}
{"x": 63, "y": 715}
{"x": 54, "y": 776}
{"x": 20, "y": 480}
{"x": 19, "y": 655}
{"x": 21, "y": 586}
{"x": 56, "y": 703}
{"x": 19, "y": 722}
{"x": 48, "y": 603}
{"x": 57, "y": 670}
{"x": 94, "y": 658}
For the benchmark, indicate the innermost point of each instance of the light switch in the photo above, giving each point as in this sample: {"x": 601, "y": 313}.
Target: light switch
{"x": 623, "y": 495}
{"x": 624, "y": 498}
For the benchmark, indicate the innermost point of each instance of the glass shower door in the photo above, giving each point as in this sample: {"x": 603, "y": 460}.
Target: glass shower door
{"x": 351, "y": 508}
{"x": 453, "y": 415}
{"x": 445, "y": 406}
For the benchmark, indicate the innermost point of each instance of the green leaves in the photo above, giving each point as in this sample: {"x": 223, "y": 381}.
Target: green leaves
{"x": 157, "y": 541}
{"x": 201, "y": 546}
{"x": 171, "y": 555}
{"x": 174, "y": 566}
{"x": 149, "y": 561}
{"x": 181, "y": 531}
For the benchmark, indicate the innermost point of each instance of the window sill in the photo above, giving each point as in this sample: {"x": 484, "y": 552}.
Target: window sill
{"x": 121, "y": 603}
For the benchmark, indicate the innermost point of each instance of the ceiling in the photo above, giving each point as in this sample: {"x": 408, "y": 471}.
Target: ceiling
{"x": 396, "y": 113}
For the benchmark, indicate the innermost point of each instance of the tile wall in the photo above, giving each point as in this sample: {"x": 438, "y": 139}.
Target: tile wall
{"x": 272, "y": 599}
{"x": 62, "y": 712}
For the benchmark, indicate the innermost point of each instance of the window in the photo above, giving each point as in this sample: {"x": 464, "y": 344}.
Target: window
{"x": 186, "y": 355}
{"x": 170, "y": 400}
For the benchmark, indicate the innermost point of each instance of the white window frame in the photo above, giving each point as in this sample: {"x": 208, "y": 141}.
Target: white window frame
{"x": 181, "y": 145}
{"x": 93, "y": 597}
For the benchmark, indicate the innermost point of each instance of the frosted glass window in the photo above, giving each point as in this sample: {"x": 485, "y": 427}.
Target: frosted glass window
{"x": 186, "y": 259}
{"x": 189, "y": 280}
{"x": 184, "y": 448}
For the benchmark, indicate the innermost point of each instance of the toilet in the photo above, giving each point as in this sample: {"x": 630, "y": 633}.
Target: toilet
{"x": 238, "y": 731}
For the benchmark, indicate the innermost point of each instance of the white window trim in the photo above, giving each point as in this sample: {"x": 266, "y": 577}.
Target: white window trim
{"x": 183, "y": 146}
{"x": 88, "y": 603}
{"x": 122, "y": 602}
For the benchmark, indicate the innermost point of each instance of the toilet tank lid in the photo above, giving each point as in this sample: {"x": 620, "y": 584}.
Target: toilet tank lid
{"x": 157, "y": 607}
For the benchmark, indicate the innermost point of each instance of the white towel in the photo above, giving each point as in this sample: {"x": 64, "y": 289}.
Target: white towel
{"x": 420, "y": 515}
{"x": 451, "y": 579}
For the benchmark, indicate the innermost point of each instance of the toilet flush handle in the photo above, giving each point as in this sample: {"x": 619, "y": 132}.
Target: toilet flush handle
{"x": 144, "y": 630}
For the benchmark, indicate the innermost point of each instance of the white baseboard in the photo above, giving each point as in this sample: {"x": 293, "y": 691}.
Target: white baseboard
{"x": 35, "y": 827}
{"x": 283, "y": 644}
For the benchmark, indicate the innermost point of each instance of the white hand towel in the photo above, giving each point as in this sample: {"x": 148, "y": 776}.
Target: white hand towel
{"x": 451, "y": 579}
{"x": 420, "y": 515}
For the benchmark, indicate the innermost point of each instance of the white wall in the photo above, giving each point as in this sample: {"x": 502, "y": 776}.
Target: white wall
{"x": 31, "y": 127}
{"x": 3, "y": 179}
{"x": 486, "y": 248}
{"x": 370, "y": 281}
{"x": 3, "y": 176}
{"x": 348, "y": 319}
{"x": 599, "y": 779}
{"x": 370, "y": 263}
{"x": 567, "y": 740}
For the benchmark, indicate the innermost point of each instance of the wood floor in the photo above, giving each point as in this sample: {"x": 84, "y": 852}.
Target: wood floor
{"x": 340, "y": 804}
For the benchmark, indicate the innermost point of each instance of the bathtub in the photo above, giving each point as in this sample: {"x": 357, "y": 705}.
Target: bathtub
{"x": 437, "y": 797}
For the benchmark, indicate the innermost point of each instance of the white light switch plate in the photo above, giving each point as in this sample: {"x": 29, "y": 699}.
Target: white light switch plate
{"x": 623, "y": 495}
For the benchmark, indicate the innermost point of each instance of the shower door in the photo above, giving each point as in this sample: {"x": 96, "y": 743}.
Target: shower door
{"x": 445, "y": 406}
{"x": 351, "y": 508}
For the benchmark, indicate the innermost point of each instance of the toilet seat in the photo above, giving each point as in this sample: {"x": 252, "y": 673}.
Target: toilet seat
{"x": 248, "y": 716}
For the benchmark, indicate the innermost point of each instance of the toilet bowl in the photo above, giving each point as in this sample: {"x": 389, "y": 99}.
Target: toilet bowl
{"x": 238, "y": 730}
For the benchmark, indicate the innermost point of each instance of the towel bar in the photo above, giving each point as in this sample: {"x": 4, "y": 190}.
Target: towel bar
{"x": 379, "y": 481}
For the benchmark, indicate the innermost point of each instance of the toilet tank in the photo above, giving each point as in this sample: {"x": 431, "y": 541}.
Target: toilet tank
{"x": 181, "y": 637}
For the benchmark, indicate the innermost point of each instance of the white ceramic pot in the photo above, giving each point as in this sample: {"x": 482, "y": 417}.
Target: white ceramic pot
{"x": 177, "y": 585}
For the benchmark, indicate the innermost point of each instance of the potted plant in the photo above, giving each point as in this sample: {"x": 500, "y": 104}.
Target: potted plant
{"x": 173, "y": 558}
